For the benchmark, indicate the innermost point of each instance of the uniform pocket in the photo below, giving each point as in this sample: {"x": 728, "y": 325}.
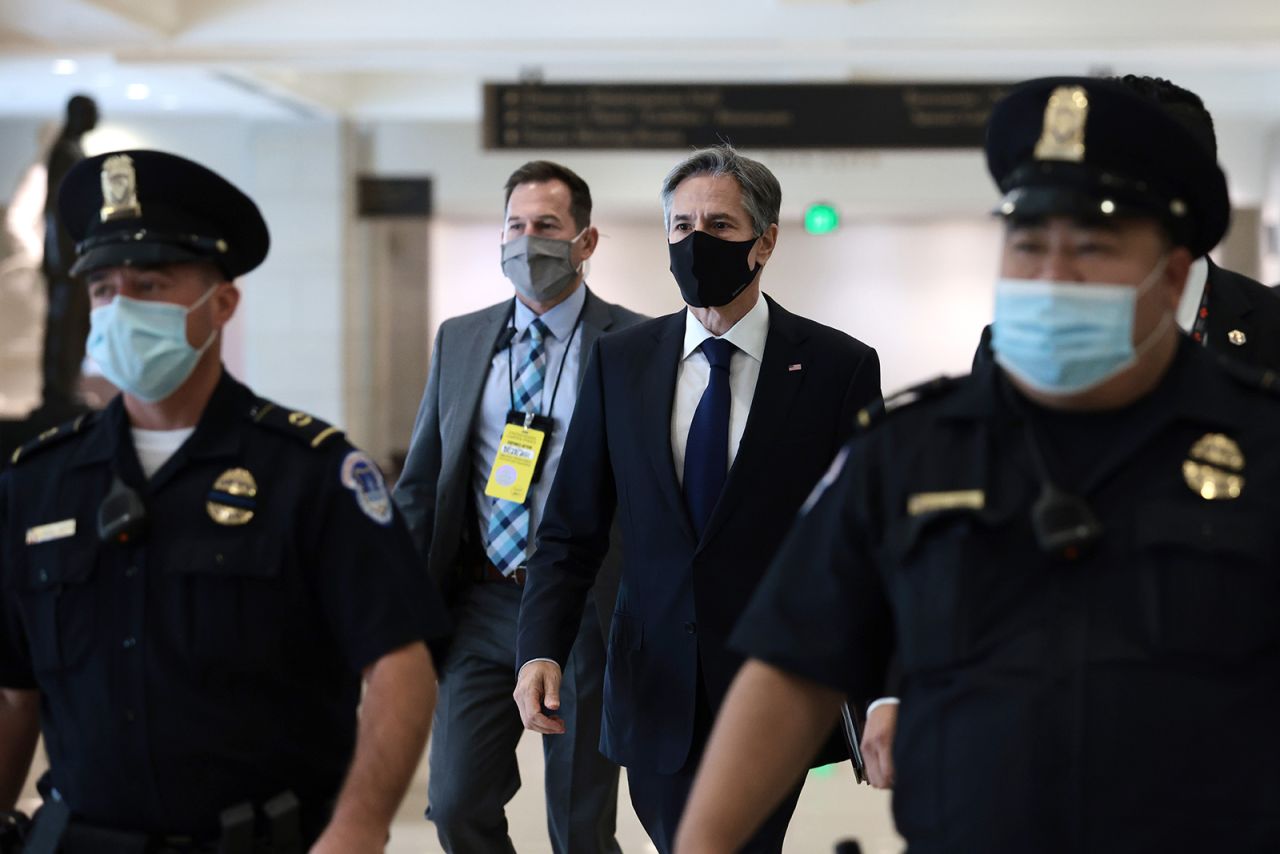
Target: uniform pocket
{"x": 58, "y": 603}
{"x": 1215, "y": 571}
{"x": 235, "y": 605}
{"x": 944, "y": 565}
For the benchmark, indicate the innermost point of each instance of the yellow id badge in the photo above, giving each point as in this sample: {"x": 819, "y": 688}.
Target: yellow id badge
{"x": 516, "y": 463}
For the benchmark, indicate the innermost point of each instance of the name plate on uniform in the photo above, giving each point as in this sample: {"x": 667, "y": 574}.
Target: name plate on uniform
{"x": 932, "y": 502}
{"x": 52, "y": 531}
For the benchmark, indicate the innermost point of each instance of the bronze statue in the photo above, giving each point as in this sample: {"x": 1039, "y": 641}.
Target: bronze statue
{"x": 67, "y": 324}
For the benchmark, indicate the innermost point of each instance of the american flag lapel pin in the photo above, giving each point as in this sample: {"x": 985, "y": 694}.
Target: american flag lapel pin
{"x": 793, "y": 368}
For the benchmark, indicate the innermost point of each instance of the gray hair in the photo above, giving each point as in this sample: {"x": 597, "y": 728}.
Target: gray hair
{"x": 761, "y": 192}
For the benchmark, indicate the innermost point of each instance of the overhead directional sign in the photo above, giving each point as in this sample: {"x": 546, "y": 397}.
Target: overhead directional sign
{"x": 786, "y": 115}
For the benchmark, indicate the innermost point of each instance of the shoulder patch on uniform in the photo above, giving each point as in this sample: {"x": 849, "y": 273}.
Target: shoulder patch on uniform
{"x": 51, "y": 437}
{"x": 871, "y": 415}
{"x": 1262, "y": 379}
{"x": 361, "y": 475}
{"x": 301, "y": 426}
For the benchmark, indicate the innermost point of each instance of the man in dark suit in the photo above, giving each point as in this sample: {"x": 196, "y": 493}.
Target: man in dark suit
{"x": 704, "y": 430}
{"x": 488, "y": 368}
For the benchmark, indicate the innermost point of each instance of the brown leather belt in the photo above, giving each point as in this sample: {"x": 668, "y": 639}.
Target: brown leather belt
{"x": 491, "y": 574}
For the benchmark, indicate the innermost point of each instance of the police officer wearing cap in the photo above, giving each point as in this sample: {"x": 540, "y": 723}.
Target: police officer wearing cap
{"x": 1072, "y": 550}
{"x": 1220, "y": 309}
{"x": 197, "y": 581}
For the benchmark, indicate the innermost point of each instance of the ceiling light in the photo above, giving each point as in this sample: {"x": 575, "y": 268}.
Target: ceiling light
{"x": 137, "y": 91}
{"x": 65, "y": 67}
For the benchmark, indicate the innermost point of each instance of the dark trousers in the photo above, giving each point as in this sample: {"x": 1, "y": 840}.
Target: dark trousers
{"x": 473, "y": 770}
{"x": 659, "y": 799}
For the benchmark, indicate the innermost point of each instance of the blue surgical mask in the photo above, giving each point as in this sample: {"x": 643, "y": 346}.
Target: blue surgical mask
{"x": 1063, "y": 338}
{"x": 141, "y": 346}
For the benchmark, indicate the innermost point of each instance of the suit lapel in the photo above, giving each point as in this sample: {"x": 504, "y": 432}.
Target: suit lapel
{"x": 464, "y": 386}
{"x": 596, "y": 320}
{"x": 1230, "y": 312}
{"x": 775, "y": 391}
{"x": 657, "y": 384}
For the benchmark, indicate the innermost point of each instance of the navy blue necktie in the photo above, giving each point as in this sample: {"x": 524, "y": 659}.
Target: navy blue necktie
{"x": 706, "y": 454}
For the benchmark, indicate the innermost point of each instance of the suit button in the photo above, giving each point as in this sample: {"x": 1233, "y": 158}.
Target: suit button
{"x": 130, "y": 643}
{"x": 691, "y": 628}
{"x": 129, "y": 716}
{"x": 131, "y": 572}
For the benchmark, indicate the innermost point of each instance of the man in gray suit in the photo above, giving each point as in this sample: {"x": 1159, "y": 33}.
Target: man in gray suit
{"x": 473, "y": 497}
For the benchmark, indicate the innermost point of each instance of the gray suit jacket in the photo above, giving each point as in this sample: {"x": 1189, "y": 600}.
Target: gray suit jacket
{"x": 434, "y": 491}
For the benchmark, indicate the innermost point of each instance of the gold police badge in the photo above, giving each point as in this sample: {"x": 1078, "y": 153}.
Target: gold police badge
{"x": 1062, "y": 136}
{"x": 1214, "y": 468}
{"x": 232, "y": 500}
{"x": 119, "y": 189}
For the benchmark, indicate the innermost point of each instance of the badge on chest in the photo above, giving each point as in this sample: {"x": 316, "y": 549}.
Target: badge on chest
{"x": 518, "y": 464}
{"x": 233, "y": 499}
{"x": 1214, "y": 468}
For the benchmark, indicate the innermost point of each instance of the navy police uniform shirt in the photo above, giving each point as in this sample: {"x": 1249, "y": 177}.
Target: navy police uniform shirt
{"x": 1123, "y": 701}
{"x": 217, "y": 658}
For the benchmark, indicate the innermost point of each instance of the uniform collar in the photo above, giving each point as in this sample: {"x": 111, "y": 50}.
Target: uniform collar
{"x": 215, "y": 436}
{"x": 559, "y": 320}
{"x": 749, "y": 334}
{"x": 1194, "y": 387}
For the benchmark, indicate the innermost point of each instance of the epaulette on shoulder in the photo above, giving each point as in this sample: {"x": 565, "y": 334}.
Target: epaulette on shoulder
{"x": 53, "y": 436}
{"x": 1252, "y": 376}
{"x": 305, "y": 428}
{"x": 876, "y": 412}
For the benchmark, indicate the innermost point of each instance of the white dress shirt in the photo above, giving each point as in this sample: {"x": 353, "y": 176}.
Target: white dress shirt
{"x": 693, "y": 375}
{"x": 1192, "y": 294}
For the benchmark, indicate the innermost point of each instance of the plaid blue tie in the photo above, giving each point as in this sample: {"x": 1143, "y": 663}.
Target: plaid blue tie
{"x": 507, "y": 539}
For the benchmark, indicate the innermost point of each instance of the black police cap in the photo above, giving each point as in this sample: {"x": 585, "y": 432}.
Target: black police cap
{"x": 148, "y": 208}
{"x": 1095, "y": 148}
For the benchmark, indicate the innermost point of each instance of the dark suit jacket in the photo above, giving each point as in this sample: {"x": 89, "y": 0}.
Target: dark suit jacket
{"x": 434, "y": 491}
{"x": 1236, "y": 304}
{"x": 680, "y": 596}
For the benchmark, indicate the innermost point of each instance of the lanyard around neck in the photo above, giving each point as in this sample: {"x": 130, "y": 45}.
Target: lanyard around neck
{"x": 564, "y": 357}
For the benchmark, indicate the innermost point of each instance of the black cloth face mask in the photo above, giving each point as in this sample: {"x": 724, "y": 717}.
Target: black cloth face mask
{"x": 711, "y": 271}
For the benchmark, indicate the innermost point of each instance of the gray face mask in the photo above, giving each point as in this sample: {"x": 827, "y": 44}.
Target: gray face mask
{"x": 540, "y": 267}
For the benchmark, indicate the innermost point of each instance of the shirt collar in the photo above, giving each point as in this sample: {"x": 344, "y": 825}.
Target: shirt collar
{"x": 748, "y": 334}
{"x": 1192, "y": 294}
{"x": 559, "y": 320}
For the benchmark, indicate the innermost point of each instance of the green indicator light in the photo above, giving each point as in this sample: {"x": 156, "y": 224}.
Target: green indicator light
{"x": 821, "y": 219}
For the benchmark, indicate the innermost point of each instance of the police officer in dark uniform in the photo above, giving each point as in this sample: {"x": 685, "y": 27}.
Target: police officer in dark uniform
{"x": 1072, "y": 550}
{"x": 197, "y": 580}
{"x": 1220, "y": 309}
